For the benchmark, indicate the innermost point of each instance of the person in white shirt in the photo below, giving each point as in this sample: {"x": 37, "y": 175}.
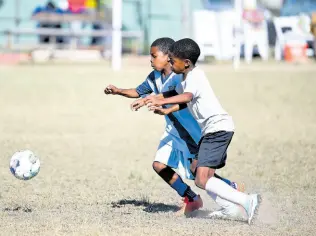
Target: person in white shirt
{"x": 255, "y": 31}
{"x": 216, "y": 125}
{"x": 179, "y": 142}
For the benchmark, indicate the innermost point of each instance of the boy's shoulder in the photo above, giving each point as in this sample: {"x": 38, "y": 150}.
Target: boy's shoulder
{"x": 198, "y": 71}
{"x": 196, "y": 74}
{"x": 154, "y": 75}
{"x": 151, "y": 76}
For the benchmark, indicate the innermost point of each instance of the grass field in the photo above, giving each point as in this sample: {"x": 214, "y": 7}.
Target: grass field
{"x": 96, "y": 176}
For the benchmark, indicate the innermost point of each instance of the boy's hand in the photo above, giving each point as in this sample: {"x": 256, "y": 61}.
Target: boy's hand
{"x": 111, "y": 89}
{"x": 160, "y": 110}
{"x": 138, "y": 104}
{"x": 153, "y": 101}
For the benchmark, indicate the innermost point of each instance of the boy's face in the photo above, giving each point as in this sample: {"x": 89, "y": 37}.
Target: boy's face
{"x": 158, "y": 59}
{"x": 178, "y": 65}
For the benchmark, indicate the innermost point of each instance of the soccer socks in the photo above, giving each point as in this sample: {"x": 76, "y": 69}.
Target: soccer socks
{"x": 225, "y": 191}
{"x": 190, "y": 194}
{"x": 224, "y": 204}
{"x": 179, "y": 186}
{"x": 183, "y": 189}
{"x": 227, "y": 181}
{"x": 234, "y": 185}
{"x": 167, "y": 174}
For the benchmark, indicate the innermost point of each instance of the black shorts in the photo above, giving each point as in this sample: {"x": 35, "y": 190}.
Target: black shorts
{"x": 213, "y": 149}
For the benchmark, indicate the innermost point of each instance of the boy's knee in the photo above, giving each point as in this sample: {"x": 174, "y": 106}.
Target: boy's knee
{"x": 165, "y": 172}
{"x": 201, "y": 177}
{"x": 200, "y": 183}
{"x": 157, "y": 166}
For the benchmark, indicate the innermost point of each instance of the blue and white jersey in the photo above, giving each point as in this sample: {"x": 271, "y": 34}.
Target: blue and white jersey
{"x": 180, "y": 124}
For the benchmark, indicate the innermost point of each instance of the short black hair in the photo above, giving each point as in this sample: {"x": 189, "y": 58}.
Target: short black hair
{"x": 186, "y": 49}
{"x": 163, "y": 44}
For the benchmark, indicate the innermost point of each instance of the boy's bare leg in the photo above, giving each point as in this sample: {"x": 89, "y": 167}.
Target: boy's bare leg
{"x": 205, "y": 180}
{"x": 239, "y": 186}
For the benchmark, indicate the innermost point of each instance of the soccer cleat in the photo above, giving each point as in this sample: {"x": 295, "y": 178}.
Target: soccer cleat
{"x": 253, "y": 206}
{"x": 238, "y": 186}
{"x": 234, "y": 212}
{"x": 189, "y": 207}
{"x": 185, "y": 200}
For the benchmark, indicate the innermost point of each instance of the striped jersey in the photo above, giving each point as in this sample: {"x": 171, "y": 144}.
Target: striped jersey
{"x": 180, "y": 124}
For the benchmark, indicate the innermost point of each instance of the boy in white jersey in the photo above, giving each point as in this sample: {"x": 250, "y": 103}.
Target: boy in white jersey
{"x": 216, "y": 125}
{"x": 178, "y": 144}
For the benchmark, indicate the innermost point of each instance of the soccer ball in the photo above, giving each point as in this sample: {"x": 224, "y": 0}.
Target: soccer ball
{"x": 24, "y": 165}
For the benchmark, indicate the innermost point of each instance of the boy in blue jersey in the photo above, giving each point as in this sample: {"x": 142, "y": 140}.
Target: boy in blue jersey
{"x": 216, "y": 124}
{"x": 178, "y": 144}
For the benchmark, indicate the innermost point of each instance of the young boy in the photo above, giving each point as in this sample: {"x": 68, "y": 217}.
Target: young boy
{"x": 178, "y": 145}
{"x": 216, "y": 125}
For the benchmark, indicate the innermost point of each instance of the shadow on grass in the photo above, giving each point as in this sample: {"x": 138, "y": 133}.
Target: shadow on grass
{"x": 151, "y": 207}
{"x": 17, "y": 208}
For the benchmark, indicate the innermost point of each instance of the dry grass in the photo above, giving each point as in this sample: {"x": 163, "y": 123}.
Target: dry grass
{"x": 96, "y": 176}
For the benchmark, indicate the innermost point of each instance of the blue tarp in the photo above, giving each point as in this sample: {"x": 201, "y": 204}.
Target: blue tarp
{"x": 295, "y": 7}
{"x": 218, "y": 5}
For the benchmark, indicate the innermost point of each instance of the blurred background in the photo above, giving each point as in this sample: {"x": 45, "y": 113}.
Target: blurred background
{"x": 226, "y": 30}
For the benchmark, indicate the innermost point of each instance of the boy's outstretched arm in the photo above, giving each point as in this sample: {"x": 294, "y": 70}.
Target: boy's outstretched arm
{"x": 169, "y": 94}
{"x": 137, "y": 104}
{"x": 165, "y": 111}
{"x": 159, "y": 100}
{"x": 129, "y": 93}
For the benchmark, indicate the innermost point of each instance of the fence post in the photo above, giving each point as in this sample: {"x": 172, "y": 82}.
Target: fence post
{"x": 116, "y": 34}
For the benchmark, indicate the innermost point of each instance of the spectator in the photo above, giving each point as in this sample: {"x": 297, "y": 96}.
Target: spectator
{"x": 255, "y": 30}
{"x": 49, "y": 8}
{"x": 77, "y": 7}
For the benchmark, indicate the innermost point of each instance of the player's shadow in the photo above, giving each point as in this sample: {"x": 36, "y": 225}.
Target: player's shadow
{"x": 151, "y": 207}
{"x": 17, "y": 209}
{"x": 154, "y": 207}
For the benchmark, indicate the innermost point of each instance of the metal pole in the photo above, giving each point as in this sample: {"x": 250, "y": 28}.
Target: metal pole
{"x": 17, "y": 18}
{"x": 98, "y": 6}
{"x": 186, "y": 18}
{"x": 147, "y": 23}
{"x": 117, "y": 34}
{"x": 237, "y": 33}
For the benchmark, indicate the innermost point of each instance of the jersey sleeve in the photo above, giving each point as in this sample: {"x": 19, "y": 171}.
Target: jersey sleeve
{"x": 144, "y": 89}
{"x": 191, "y": 86}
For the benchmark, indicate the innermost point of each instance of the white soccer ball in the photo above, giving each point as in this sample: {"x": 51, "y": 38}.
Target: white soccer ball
{"x": 24, "y": 165}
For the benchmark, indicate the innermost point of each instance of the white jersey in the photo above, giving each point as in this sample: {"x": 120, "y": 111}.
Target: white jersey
{"x": 204, "y": 105}
{"x": 180, "y": 124}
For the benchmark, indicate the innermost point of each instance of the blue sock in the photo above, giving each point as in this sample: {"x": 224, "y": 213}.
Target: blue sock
{"x": 179, "y": 186}
{"x": 227, "y": 181}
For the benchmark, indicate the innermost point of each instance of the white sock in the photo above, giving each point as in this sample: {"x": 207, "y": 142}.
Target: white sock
{"x": 230, "y": 209}
{"x": 225, "y": 191}
{"x": 220, "y": 201}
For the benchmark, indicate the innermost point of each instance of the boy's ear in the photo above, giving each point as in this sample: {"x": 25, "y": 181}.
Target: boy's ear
{"x": 187, "y": 63}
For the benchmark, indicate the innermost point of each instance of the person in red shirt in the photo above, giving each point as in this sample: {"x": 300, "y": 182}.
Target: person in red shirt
{"x": 76, "y": 6}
